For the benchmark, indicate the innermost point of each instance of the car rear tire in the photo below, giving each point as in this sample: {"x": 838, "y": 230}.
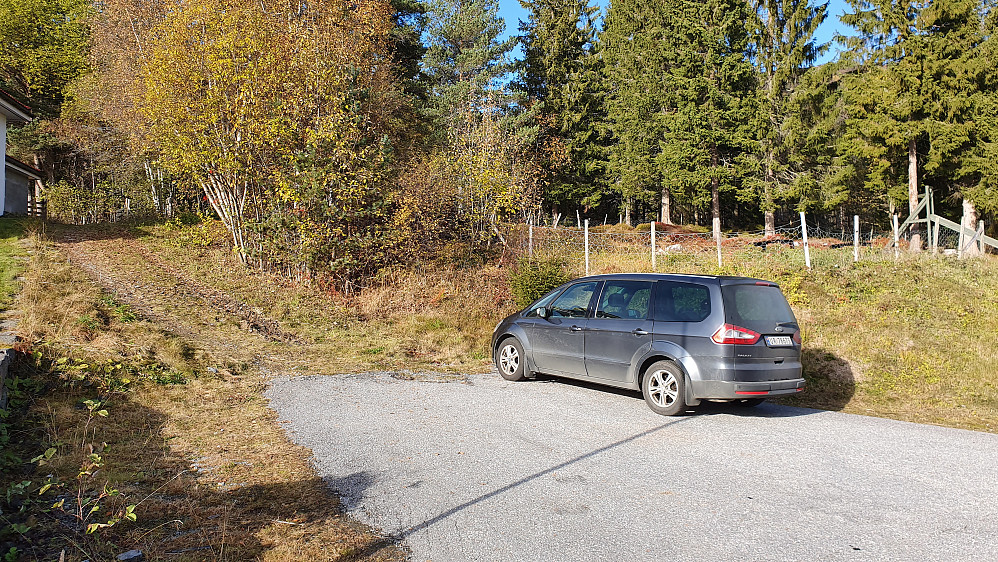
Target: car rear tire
{"x": 749, "y": 402}
{"x": 664, "y": 388}
{"x": 509, "y": 359}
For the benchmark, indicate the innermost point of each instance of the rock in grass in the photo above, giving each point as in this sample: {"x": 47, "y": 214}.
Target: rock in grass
{"x": 132, "y": 556}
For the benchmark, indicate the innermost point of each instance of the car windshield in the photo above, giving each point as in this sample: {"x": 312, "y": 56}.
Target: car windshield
{"x": 756, "y": 307}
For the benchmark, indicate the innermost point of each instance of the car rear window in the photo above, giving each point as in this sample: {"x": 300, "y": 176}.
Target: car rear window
{"x": 756, "y": 307}
{"x": 681, "y": 302}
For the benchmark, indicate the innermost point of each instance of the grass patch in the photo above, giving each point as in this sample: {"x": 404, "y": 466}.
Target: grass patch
{"x": 909, "y": 339}
{"x": 13, "y": 255}
{"x": 117, "y": 410}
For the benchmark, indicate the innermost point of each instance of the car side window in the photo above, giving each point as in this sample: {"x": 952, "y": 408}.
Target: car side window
{"x": 681, "y": 302}
{"x": 625, "y": 299}
{"x": 574, "y": 302}
{"x": 543, "y": 302}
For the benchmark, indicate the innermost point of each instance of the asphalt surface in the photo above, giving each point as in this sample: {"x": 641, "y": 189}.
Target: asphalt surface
{"x": 484, "y": 469}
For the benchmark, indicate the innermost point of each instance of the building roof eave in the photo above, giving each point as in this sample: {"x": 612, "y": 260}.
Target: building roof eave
{"x": 15, "y": 111}
{"x": 17, "y": 165}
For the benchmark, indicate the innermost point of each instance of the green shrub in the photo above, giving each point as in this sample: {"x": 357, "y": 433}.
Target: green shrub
{"x": 533, "y": 278}
{"x": 611, "y": 228}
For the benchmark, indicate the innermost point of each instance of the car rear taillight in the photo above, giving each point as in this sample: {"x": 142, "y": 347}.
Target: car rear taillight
{"x": 796, "y": 337}
{"x": 729, "y": 333}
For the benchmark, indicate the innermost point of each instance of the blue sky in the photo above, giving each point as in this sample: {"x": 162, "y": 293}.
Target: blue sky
{"x": 512, "y": 12}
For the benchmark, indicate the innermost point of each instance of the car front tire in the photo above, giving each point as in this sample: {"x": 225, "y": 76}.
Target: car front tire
{"x": 664, "y": 388}
{"x": 509, "y": 359}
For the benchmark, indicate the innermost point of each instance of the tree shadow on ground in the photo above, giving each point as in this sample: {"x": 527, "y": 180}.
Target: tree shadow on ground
{"x": 224, "y": 506}
{"x": 71, "y": 233}
{"x": 831, "y": 384}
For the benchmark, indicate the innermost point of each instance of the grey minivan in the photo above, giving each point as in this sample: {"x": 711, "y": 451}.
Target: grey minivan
{"x": 679, "y": 339}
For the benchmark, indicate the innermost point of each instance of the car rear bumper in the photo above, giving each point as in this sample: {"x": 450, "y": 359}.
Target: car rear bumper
{"x": 734, "y": 390}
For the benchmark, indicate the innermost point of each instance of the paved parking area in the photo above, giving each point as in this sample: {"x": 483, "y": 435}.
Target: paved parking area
{"x": 485, "y": 469}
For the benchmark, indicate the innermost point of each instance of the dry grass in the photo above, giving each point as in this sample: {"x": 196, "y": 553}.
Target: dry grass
{"x": 209, "y": 467}
{"x": 218, "y": 478}
{"x": 910, "y": 340}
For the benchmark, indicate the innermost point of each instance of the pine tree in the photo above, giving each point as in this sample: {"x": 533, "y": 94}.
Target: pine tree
{"x": 556, "y": 77}
{"x": 785, "y": 48}
{"x": 465, "y": 58}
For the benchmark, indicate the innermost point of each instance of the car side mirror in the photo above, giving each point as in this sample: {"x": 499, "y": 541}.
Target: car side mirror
{"x": 542, "y": 312}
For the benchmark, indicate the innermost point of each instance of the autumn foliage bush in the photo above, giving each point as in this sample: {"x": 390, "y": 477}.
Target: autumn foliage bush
{"x": 283, "y": 115}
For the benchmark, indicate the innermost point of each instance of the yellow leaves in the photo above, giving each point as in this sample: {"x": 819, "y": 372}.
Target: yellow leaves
{"x": 231, "y": 87}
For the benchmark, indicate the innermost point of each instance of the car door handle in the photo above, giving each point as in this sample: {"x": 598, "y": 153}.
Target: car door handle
{"x": 639, "y": 332}
{"x": 577, "y": 328}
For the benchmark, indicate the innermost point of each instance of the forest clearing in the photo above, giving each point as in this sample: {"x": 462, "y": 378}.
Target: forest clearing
{"x": 229, "y": 191}
{"x": 177, "y": 343}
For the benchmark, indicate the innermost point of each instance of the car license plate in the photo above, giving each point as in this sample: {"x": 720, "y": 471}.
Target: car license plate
{"x": 779, "y": 341}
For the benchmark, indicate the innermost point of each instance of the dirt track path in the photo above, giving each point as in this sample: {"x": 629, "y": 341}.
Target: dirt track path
{"x": 216, "y": 322}
{"x": 210, "y": 450}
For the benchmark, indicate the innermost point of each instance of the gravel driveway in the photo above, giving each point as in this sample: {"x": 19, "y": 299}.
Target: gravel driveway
{"x": 484, "y": 469}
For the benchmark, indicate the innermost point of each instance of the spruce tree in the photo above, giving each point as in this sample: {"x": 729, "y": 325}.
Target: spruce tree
{"x": 406, "y": 43}
{"x": 636, "y": 48}
{"x": 785, "y": 48}
{"x": 984, "y": 158}
{"x": 908, "y": 99}
{"x": 706, "y": 121}
{"x": 556, "y": 77}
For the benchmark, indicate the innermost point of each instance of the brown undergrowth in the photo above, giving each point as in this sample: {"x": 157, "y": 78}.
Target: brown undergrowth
{"x": 910, "y": 339}
{"x": 151, "y": 396}
{"x": 191, "y": 443}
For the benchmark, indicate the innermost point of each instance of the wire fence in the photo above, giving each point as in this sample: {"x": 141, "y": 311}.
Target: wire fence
{"x": 669, "y": 248}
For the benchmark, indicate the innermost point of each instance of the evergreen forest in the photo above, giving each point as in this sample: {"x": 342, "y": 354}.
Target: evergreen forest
{"x": 332, "y": 137}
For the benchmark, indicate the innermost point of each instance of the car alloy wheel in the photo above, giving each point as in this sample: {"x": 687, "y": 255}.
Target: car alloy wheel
{"x": 509, "y": 360}
{"x": 664, "y": 388}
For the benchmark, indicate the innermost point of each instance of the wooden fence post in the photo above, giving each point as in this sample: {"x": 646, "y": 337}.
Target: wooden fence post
{"x": 803, "y": 230}
{"x": 586, "y": 239}
{"x": 959, "y": 244}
